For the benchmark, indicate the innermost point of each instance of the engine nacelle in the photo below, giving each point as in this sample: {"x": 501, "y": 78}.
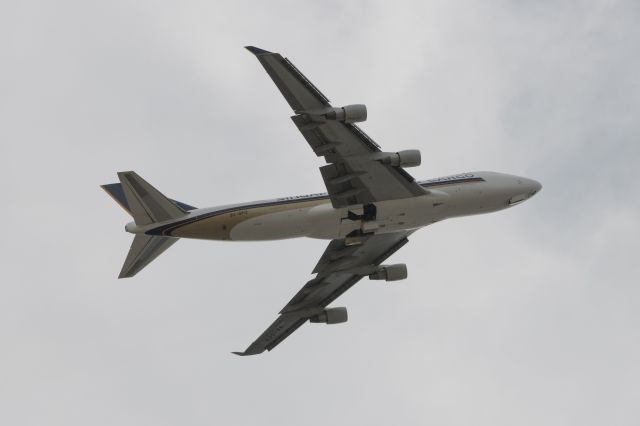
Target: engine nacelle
{"x": 348, "y": 113}
{"x": 390, "y": 272}
{"x": 331, "y": 316}
{"x": 406, "y": 158}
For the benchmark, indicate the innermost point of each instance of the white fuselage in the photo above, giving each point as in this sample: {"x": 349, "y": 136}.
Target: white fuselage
{"x": 314, "y": 216}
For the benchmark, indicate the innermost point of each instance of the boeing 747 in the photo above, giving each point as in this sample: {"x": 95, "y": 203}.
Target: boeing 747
{"x": 371, "y": 207}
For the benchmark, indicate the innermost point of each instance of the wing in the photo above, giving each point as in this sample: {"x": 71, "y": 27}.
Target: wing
{"x": 355, "y": 173}
{"x": 339, "y": 268}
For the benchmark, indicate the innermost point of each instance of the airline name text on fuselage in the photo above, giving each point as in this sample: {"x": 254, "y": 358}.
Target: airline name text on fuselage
{"x": 301, "y": 197}
{"x": 452, "y": 178}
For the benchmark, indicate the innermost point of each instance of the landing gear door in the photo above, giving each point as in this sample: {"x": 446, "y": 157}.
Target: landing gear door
{"x": 350, "y": 221}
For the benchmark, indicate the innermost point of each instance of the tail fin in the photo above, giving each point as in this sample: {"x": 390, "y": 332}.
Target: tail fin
{"x": 117, "y": 193}
{"x": 147, "y": 205}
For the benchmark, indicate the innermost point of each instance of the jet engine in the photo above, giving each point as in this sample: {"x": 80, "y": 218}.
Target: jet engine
{"x": 331, "y": 316}
{"x": 406, "y": 158}
{"x": 390, "y": 272}
{"x": 348, "y": 113}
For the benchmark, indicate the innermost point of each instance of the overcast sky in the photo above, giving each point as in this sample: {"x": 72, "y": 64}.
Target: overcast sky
{"x": 530, "y": 316}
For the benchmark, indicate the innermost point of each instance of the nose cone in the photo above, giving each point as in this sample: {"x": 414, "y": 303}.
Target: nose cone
{"x": 524, "y": 188}
{"x": 534, "y": 186}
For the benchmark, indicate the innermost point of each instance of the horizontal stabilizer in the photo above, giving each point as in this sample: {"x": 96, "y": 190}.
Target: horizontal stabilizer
{"x": 144, "y": 249}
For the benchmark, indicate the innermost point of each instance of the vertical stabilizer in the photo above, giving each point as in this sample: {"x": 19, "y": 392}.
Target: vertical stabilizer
{"x": 147, "y": 204}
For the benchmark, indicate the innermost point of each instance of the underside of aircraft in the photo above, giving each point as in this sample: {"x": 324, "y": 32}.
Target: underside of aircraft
{"x": 371, "y": 207}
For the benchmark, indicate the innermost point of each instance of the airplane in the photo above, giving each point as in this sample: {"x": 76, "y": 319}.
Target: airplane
{"x": 371, "y": 207}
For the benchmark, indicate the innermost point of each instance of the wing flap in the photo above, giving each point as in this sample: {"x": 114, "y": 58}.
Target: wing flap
{"x": 333, "y": 139}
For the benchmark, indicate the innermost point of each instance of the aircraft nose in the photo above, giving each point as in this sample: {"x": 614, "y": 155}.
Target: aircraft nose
{"x": 534, "y": 186}
{"x": 525, "y": 188}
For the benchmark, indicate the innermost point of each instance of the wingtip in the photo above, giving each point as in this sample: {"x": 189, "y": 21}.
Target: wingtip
{"x": 248, "y": 352}
{"x": 256, "y": 50}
